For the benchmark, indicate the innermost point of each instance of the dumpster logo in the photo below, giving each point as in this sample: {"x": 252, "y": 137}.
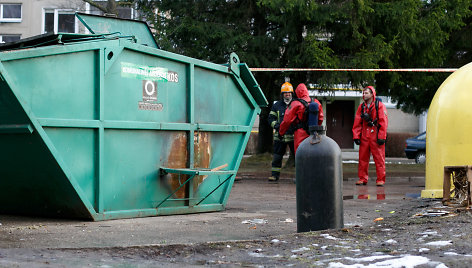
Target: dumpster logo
{"x": 150, "y": 76}
{"x": 149, "y": 90}
{"x": 150, "y": 97}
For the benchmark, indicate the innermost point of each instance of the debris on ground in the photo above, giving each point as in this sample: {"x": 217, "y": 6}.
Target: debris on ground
{"x": 436, "y": 212}
{"x": 288, "y": 220}
{"x": 255, "y": 221}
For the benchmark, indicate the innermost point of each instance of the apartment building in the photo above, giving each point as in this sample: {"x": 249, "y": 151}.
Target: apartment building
{"x": 21, "y": 19}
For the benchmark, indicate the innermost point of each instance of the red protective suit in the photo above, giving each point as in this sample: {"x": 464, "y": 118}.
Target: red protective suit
{"x": 368, "y": 135}
{"x": 295, "y": 114}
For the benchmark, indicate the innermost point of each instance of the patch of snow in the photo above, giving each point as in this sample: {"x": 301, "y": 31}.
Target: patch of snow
{"x": 256, "y": 254}
{"x": 423, "y": 250}
{"x": 254, "y": 221}
{"x": 275, "y": 241}
{"x": 391, "y": 241}
{"x": 406, "y": 261}
{"x": 315, "y": 245}
{"x": 300, "y": 249}
{"x": 328, "y": 236}
{"x": 261, "y": 255}
{"x": 339, "y": 246}
{"x": 287, "y": 220}
{"x": 451, "y": 253}
{"x": 439, "y": 243}
{"x": 429, "y": 233}
{"x": 353, "y": 223}
{"x": 367, "y": 259}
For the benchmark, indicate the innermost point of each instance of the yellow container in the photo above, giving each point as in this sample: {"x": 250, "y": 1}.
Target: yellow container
{"x": 449, "y": 129}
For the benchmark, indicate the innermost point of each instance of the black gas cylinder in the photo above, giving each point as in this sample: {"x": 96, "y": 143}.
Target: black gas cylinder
{"x": 319, "y": 177}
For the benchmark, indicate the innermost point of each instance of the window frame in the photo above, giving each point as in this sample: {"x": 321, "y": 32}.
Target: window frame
{"x": 2, "y": 19}
{"x": 88, "y": 10}
{"x": 57, "y": 12}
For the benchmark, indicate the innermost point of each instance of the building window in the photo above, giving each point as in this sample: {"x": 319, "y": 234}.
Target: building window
{"x": 124, "y": 12}
{"x": 10, "y": 12}
{"x": 59, "y": 21}
{"x": 7, "y": 38}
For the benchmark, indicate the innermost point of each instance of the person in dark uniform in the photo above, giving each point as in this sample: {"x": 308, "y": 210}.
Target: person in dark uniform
{"x": 280, "y": 142}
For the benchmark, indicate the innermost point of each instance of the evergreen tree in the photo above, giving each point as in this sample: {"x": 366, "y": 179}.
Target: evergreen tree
{"x": 322, "y": 34}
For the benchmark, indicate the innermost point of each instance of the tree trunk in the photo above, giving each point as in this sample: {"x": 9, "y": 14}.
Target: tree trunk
{"x": 265, "y": 137}
{"x": 111, "y": 7}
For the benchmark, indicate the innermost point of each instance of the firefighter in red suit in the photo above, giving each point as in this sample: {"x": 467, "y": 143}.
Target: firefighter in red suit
{"x": 295, "y": 115}
{"x": 370, "y": 132}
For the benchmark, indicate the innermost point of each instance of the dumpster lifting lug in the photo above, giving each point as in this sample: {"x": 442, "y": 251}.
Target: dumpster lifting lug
{"x": 162, "y": 172}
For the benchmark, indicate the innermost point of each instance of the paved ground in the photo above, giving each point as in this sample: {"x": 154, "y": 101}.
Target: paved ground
{"x": 251, "y": 199}
{"x": 256, "y": 210}
{"x": 258, "y": 229}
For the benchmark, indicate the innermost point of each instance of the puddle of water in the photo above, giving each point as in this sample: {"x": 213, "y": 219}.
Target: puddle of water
{"x": 413, "y": 195}
{"x": 379, "y": 196}
{"x": 365, "y": 196}
{"x": 362, "y": 192}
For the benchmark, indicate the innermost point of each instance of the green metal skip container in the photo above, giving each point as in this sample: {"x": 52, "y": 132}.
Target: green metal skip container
{"x": 105, "y": 125}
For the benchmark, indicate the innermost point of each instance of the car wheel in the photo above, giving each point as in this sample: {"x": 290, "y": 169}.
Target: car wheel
{"x": 420, "y": 158}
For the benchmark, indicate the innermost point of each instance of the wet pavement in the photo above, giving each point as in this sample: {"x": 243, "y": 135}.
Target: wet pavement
{"x": 256, "y": 209}
{"x": 389, "y": 226}
{"x": 386, "y": 226}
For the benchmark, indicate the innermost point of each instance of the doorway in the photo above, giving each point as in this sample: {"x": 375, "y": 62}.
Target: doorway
{"x": 339, "y": 121}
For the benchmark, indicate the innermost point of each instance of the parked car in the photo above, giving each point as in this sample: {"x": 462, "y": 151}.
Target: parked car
{"x": 415, "y": 148}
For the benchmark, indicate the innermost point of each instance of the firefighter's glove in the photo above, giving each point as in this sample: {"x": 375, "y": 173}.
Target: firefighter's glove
{"x": 357, "y": 141}
{"x": 380, "y": 142}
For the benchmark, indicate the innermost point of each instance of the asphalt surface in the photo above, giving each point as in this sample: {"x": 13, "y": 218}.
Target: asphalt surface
{"x": 256, "y": 209}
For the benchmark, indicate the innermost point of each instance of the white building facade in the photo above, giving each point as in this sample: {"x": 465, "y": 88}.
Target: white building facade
{"x": 20, "y": 19}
